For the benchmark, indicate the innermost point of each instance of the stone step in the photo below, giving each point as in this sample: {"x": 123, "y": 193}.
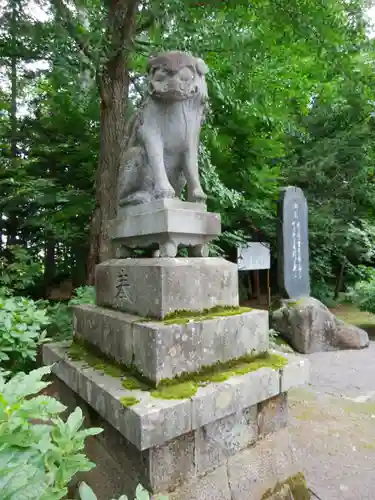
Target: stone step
{"x": 154, "y": 421}
{"x": 158, "y": 286}
{"x": 163, "y": 351}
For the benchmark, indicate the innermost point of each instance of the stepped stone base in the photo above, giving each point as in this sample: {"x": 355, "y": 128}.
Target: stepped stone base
{"x": 165, "y": 225}
{"x": 162, "y": 351}
{"x": 229, "y": 441}
{"x": 155, "y": 287}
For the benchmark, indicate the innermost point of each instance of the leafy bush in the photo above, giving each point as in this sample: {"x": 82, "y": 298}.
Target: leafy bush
{"x": 38, "y": 460}
{"x": 60, "y": 314}
{"x": 323, "y": 292}
{"x": 20, "y": 271}
{"x": 86, "y": 493}
{"x": 83, "y": 295}
{"x": 22, "y": 330}
{"x": 362, "y": 294}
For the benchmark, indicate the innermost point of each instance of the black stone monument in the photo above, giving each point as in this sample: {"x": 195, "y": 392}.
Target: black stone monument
{"x": 293, "y": 244}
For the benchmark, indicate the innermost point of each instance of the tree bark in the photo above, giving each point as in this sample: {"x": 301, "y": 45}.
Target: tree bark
{"x": 114, "y": 88}
{"x": 49, "y": 264}
{"x": 12, "y": 226}
{"x": 339, "y": 281}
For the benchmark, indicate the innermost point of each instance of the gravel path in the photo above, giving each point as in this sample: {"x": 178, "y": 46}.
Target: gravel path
{"x": 333, "y": 425}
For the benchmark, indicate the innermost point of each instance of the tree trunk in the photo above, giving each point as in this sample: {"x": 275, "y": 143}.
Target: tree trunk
{"x": 49, "y": 264}
{"x": 114, "y": 88}
{"x": 12, "y": 217}
{"x": 339, "y": 281}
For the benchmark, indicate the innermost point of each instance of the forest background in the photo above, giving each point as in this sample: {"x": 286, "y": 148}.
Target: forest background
{"x": 291, "y": 88}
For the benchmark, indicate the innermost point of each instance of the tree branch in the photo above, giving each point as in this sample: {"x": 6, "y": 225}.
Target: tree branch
{"x": 69, "y": 24}
{"x": 146, "y": 24}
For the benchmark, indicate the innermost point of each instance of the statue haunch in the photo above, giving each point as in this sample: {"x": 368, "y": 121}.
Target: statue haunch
{"x": 163, "y": 136}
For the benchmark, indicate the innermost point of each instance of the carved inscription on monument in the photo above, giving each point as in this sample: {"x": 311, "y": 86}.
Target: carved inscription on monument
{"x": 293, "y": 244}
{"x": 122, "y": 286}
{"x": 296, "y": 242}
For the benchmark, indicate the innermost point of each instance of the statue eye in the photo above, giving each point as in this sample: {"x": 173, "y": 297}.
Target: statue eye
{"x": 159, "y": 75}
{"x": 186, "y": 74}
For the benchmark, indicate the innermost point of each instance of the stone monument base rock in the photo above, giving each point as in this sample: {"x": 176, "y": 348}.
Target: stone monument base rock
{"x": 309, "y": 326}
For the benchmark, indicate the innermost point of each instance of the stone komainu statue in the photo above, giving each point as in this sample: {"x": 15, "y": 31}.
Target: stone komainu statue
{"x": 163, "y": 136}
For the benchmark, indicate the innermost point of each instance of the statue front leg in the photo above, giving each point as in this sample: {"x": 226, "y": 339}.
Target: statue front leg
{"x": 195, "y": 191}
{"x": 155, "y": 157}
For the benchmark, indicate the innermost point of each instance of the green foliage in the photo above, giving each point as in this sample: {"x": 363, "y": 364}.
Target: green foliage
{"x": 60, "y": 314}
{"x": 22, "y": 330}
{"x": 362, "y": 294}
{"x": 83, "y": 295}
{"x": 19, "y": 270}
{"x": 39, "y": 452}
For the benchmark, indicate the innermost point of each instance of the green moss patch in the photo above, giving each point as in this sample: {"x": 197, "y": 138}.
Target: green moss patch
{"x": 129, "y": 401}
{"x": 181, "y": 387}
{"x": 297, "y": 485}
{"x": 79, "y": 352}
{"x": 183, "y": 390}
{"x": 186, "y": 385}
{"x": 132, "y": 383}
{"x": 182, "y": 317}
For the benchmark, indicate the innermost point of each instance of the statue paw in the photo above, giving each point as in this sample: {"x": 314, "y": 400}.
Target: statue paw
{"x": 136, "y": 198}
{"x": 161, "y": 194}
{"x": 197, "y": 196}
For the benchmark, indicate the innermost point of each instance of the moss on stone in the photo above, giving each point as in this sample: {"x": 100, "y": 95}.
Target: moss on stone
{"x": 182, "y": 386}
{"x": 182, "y": 317}
{"x": 292, "y": 303}
{"x": 183, "y": 390}
{"x": 187, "y": 384}
{"x": 129, "y": 401}
{"x": 79, "y": 352}
{"x": 132, "y": 383}
{"x": 297, "y": 485}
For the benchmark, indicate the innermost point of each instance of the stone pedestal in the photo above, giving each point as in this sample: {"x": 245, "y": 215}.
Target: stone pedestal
{"x": 156, "y": 287}
{"x": 165, "y": 225}
{"x": 228, "y": 441}
{"x": 175, "y": 371}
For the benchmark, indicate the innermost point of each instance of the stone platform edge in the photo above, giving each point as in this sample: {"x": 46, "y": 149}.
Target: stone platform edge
{"x": 153, "y": 421}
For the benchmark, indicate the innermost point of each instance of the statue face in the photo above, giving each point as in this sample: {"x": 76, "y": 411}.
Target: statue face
{"x": 173, "y": 85}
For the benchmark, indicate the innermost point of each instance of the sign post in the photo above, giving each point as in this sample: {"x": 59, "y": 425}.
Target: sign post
{"x": 255, "y": 257}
